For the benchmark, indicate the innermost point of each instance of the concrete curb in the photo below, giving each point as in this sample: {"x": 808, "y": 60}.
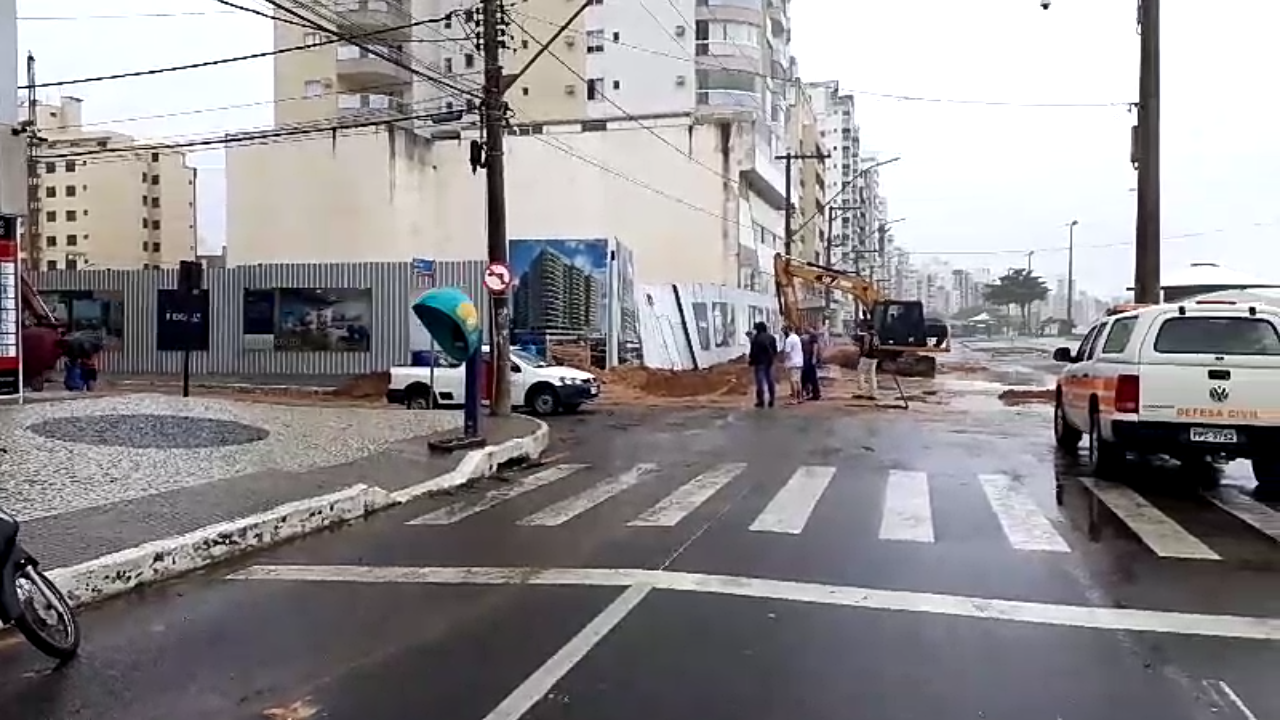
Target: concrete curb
{"x": 159, "y": 560}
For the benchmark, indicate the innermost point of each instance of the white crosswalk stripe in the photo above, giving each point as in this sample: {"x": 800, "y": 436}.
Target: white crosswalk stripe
{"x": 1021, "y": 519}
{"x": 907, "y": 513}
{"x": 1165, "y": 537}
{"x": 688, "y": 497}
{"x": 459, "y": 510}
{"x": 567, "y": 510}
{"x": 789, "y": 510}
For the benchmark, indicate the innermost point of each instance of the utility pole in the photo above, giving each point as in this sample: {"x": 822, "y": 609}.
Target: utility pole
{"x": 1071, "y": 274}
{"x": 493, "y": 110}
{"x": 1029, "y": 254}
{"x": 787, "y": 159}
{"x": 33, "y": 242}
{"x": 1146, "y": 284}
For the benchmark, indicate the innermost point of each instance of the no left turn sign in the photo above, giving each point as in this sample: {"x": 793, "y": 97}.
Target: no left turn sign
{"x": 497, "y": 277}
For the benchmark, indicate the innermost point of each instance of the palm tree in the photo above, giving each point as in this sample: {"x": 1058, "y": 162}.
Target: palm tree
{"x": 1018, "y": 287}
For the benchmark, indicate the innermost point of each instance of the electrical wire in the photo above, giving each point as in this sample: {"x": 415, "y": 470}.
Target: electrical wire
{"x": 886, "y": 96}
{"x": 605, "y": 96}
{"x": 29, "y": 18}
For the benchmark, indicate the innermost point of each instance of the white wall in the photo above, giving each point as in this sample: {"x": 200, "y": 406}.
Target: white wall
{"x": 9, "y": 62}
{"x": 685, "y": 326}
{"x": 647, "y": 79}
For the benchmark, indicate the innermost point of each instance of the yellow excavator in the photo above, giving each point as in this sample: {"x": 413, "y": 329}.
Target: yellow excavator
{"x": 904, "y": 340}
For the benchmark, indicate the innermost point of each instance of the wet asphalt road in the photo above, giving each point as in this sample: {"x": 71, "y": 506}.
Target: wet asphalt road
{"x": 821, "y": 564}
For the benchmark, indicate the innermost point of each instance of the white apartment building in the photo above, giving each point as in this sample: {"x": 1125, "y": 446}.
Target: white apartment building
{"x": 653, "y": 122}
{"x": 840, "y": 135}
{"x": 120, "y": 209}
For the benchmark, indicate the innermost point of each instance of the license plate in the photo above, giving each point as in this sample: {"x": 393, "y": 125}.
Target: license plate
{"x": 1213, "y": 435}
{"x": 593, "y": 391}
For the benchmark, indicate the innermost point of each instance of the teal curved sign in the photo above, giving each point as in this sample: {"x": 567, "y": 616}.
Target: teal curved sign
{"x": 451, "y": 318}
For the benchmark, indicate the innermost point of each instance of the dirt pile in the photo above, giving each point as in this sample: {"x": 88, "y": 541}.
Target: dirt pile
{"x": 727, "y": 378}
{"x": 1025, "y": 396}
{"x": 843, "y": 356}
{"x": 369, "y": 385}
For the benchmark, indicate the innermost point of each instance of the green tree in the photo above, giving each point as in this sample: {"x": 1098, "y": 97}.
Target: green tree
{"x": 1018, "y": 288}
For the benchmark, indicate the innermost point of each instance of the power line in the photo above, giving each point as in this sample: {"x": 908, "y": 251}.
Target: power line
{"x": 605, "y": 96}
{"x": 867, "y": 93}
{"x": 131, "y": 16}
{"x": 210, "y": 63}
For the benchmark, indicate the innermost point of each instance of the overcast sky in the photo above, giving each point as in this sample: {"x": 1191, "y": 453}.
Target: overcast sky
{"x": 973, "y": 179}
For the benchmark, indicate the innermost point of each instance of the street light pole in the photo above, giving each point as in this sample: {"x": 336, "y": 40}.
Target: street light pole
{"x": 1071, "y": 274}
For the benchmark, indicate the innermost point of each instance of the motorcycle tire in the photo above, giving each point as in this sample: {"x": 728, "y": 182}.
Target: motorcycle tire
{"x": 60, "y": 649}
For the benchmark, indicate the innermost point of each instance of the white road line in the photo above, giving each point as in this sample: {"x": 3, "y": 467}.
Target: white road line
{"x": 537, "y": 685}
{"x": 459, "y": 510}
{"x": 567, "y": 510}
{"x": 1020, "y": 517}
{"x": 907, "y": 514}
{"x": 1252, "y": 512}
{"x": 688, "y": 497}
{"x": 1235, "y": 700}
{"x": 1076, "y": 616}
{"x": 790, "y": 508}
{"x": 1165, "y": 537}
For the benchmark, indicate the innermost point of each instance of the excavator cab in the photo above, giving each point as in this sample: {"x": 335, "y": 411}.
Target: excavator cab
{"x": 899, "y": 323}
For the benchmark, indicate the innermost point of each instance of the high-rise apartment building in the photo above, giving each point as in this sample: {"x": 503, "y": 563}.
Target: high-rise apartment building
{"x": 12, "y": 148}
{"x": 652, "y": 121}
{"x": 120, "y": 209}
{"x": 840, "y": 136}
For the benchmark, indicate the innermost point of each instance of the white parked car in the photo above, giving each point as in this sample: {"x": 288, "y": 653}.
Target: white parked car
{"x": 535, "y": 384}
{"x": 1198, "y": 381}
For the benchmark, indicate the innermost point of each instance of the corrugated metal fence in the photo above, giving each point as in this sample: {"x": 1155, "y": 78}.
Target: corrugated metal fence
{"x": 393, "y": 286}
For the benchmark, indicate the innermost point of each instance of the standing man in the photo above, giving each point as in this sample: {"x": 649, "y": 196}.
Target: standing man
{"x": 809, "y": 372}
{"x": 763, "y": 353}
{"x": 793, "y": 349}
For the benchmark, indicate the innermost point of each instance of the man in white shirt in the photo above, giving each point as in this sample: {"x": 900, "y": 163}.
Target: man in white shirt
{"x": 793, "y": 351}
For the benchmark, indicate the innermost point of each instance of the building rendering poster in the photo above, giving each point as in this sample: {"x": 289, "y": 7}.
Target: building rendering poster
{"x": 561, "y": 288}
{"x": 626, "y": 309}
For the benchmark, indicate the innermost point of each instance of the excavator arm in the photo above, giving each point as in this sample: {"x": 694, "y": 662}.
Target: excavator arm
{"x": 34, "y": 306}
{"x": 787, "y": 270}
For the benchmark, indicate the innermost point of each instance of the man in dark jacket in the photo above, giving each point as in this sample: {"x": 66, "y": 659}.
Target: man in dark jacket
{"x": 764, "y": 349}
{"x": 809, "y": 374}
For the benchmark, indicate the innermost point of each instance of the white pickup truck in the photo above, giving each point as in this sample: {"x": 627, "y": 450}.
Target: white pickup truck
{"x": 535, "y": 384}
{"x": 1198, "y": 381}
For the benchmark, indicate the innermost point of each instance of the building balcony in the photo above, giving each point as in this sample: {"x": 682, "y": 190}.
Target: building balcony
{"x": 368, "y": 104}
{"x": 375, "y": 15}
{"x": 356, "y": 66}
{"x": 778, "y": 20}
{"x": 728, "y": 56}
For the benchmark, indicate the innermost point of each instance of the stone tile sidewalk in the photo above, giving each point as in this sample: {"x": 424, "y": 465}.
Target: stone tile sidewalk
{"x": 90, "y": 477}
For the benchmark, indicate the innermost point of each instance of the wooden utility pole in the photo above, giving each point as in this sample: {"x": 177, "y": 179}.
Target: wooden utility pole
{"x": 493, "y": 111}
{"x": 32, "y": 242}
{"x": 1146, "y": 281}
{"x": 787, "y": 160}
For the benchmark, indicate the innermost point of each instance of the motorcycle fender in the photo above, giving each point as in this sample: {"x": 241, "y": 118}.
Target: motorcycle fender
{"x": 9, "y": 608}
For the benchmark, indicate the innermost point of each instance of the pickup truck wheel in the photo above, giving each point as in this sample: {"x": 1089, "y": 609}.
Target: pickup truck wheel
{"x": 418, "y": 397}
{"x": 543, "y": 400}
{"x": 1104, "y": 456}
{"x": 1266, "y": 470}
{"x": 1065, "y": 435}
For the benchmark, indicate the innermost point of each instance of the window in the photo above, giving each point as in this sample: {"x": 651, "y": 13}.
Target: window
{"x": 146, "y": 246}
{"x": 145, "y": 200}
{"x": 524, "y": 91}
{"x": 145, "y": 177}
{"x": 1118, "y": 338}
{"x": 50, "y": 191}
{"x": 71, "y": 216}
{"x": 617, "y": 36}
{"x": 71, "y": 264}
{"x": 155, "y": 224}
{"x": 50, "y": 241}
{"x": 69, "y": 191}
{"x": 595, "y": 89}
{"x": 448, "y": 65}
{"x": 72, "y": 241}
{"x": 617, "y": 84}
{"x": 312, "y": 38}
{"x": 51, "y": 216}
{"x": 155, "y": 157}
{"x": 155, "y": 202}
{"x": 70, "y": 166}
{"x": 155, "y": 179}
{"x": 595, "y": 2}
{"x": 735, "y": 80}
{"x": 146, "y": 224}
{"x": 1218, "y": 336}
{"x": 595, "y": 41}
{"x": 155, "y": 247}
{"x": 1083, "y": 350}
{"x": 595, "y": 126}
{"x": 524, "y": 44}
{"x": 51, "y": 265}
{"x": 51, "y": 167}
{"x": 313, "y": 89}
{"x": 468, "y": 61}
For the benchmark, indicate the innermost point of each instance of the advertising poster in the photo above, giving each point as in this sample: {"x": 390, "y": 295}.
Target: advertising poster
{"x": 94, "y": 312}
{"x": 180, "y": 320}
{"x": 308, "y": 319}
{"x": 630, "y": 346}
{"x": 10, "y": 323}
{"x": 702, "y": 321}
{"x": 561, "y": 291}
{"x": 724, "y": 323}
